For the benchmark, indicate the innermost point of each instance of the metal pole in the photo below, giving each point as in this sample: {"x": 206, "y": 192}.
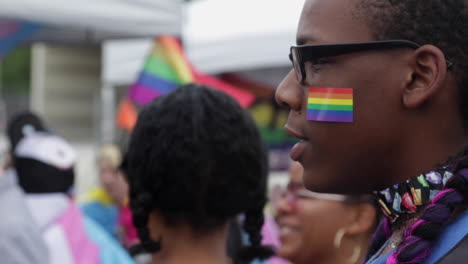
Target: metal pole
{"x": 107, "y": 113}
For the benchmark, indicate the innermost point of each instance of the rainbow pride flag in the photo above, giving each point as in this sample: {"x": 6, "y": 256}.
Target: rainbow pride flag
{"x": 13, "y": 33}
{"x": 330, "y": 104}
{"x": 167, "y": 68}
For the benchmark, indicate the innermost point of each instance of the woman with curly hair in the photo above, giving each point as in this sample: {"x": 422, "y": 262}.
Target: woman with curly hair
{"x": 195, "y": 162}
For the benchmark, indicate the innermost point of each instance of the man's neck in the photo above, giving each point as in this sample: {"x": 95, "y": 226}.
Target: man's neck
{"x": 422, "y": 153}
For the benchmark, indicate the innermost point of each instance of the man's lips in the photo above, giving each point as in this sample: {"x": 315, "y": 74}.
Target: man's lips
{"x": 293, "y": 133}
{"x": 298, "y": 148}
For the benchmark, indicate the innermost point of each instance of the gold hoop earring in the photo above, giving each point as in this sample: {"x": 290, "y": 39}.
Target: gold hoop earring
{"x": 337, "y": 243}
{"x": 356, "y": 254}
{"x": 339, "y": 237}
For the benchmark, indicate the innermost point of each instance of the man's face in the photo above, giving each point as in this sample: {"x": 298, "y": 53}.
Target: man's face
{"x": 345, "y": 157}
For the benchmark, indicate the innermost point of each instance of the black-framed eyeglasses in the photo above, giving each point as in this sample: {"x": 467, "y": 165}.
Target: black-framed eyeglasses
{"x": 303, "y": 53}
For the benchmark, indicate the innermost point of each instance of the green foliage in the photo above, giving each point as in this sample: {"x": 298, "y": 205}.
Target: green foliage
{"x": 15, "y": 71}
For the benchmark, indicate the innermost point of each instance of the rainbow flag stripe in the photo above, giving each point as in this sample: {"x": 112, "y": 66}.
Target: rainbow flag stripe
{"x": 13, "y": 33}
{"x": 165, "y": 69}
{"x": 330, "y": 105}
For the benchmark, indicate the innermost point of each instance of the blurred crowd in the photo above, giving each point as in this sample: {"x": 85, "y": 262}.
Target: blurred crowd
{"x": 190, "y": 188}
{"x": 377, "y": 101}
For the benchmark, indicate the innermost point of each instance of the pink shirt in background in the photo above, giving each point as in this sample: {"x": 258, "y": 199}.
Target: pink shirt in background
{"x": 130, "y": 236}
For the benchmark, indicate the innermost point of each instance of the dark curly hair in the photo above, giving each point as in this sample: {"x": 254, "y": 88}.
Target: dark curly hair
{"x": 22, "y": 123}
{"x": 196, "y": 156}
{"x": 442, "y": 23}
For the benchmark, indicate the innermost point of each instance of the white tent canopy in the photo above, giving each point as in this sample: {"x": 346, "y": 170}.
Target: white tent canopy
{"x": 97, "y": 19}
{"x": 226, "y": 35}
{"x": 123, "y": 60}
{"x": 219, "y": 36}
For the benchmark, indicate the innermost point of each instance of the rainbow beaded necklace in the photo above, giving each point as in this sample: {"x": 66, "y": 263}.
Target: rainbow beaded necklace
{"x": 408, "y": 197}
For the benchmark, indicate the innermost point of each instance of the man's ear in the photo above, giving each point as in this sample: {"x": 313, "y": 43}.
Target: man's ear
{"x": 364, "y": 219}
{"x": 429, "y": 70}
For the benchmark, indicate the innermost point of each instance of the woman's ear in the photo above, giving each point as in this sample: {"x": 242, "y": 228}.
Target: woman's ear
{"x": 363, "y": 220}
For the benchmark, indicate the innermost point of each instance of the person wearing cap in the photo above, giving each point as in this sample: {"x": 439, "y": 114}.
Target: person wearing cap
{"x": 44, "y": 165}
{"x": 20, "y": 239}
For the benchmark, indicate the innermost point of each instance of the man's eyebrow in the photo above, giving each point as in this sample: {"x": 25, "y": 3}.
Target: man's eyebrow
{"x": 302, "y": 39}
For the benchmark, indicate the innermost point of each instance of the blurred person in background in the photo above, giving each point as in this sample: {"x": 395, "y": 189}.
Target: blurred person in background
{"x": 20, "y": 239}
{"x": 195, "y": 161}
{"x": 108, "y": 204}
{"x": 44, "y": 164}
{"x": 323, "y": 228}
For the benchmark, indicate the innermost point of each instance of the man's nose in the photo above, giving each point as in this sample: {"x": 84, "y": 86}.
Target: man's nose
{"x": 289, "y": 94}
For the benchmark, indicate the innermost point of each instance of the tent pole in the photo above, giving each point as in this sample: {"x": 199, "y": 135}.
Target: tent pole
{"x": 107, "y": 124}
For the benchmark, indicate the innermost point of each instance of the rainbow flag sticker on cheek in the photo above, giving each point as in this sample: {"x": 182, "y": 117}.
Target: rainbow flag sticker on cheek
{"x": 330, "y": 105}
